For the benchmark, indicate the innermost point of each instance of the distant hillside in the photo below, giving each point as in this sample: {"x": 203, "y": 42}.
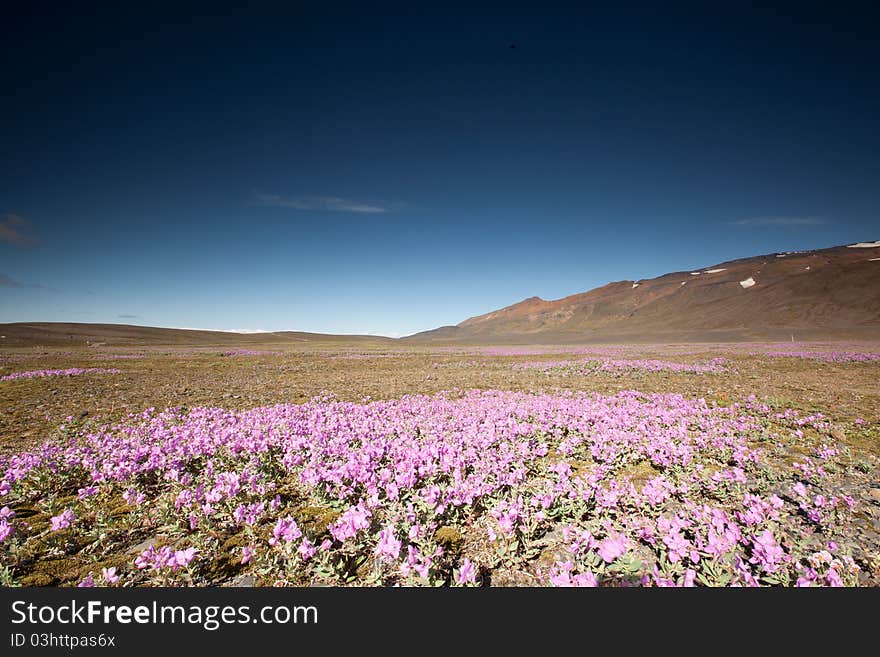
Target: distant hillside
{"x": 60, "y": 334}
{"x": 824, "y": 294}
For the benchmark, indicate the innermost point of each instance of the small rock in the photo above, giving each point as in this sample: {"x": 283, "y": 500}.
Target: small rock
{"x": 143, "y": 545}
{"x": 837, "y": 433}
{"x": 244, "y": 581}
{"x": 512, "y": 578}
{"x": 874, "y": 494}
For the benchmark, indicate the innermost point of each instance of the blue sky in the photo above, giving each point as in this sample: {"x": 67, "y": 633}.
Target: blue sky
{"x": 400, "y": 169}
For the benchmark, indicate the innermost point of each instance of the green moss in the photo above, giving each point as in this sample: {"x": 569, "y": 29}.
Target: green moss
{"x": 228, "y": 562}
{"x": 63, "y": 539}
{"x": 121, "y": 510}
{"x": 25, "y": 511}
{"x": 315, "y": 520}
{"x": 58, "y": 570}
{"x": 223, "y": 567}
{"x": 288, "y": 493}
{"x": 64, "y": 501}
{"x": 365, "y": 569}
{"x": 118, "y": 561}
{"x": 449, "y": 538}
{"x": 237, "y": 541}
{"x": 37, "y": 523}
{"x": 37, "y": 579}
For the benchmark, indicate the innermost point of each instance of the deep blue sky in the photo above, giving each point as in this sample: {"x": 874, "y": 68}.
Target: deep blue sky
{"x": 394, "y": 170}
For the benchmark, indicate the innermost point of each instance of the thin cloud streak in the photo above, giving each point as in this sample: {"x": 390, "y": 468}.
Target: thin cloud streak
{"x": 11, "y": 226}
{"x": 780, "y": 221}
{"x": 216, "y": 330}
{"x": 318, "y": 203}
{"x": 6, "y": 281}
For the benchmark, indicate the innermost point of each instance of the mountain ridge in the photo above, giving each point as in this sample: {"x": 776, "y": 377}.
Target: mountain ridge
{"x": 821, "y": 293}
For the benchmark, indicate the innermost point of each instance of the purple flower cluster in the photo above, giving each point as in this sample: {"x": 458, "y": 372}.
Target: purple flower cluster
{"x": 62, "y": 520}
{"x": 286, "y": 531}
{"x": 610, "y": 350}
{"x": 822, "y": 568}
{"x": 829, "y": 356}
{"x": 368, "y": 355}
{"x": 248, "y": 352}
{"x": 503, "y": 468}
{"x": 591, "y": 366}
{"x": 165, "y": 557}
{"x": 6, "y": 529}
{"x": 73, "y": 371}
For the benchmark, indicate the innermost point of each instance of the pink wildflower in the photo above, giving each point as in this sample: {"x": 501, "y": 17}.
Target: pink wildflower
{"x": 62, "y": 520}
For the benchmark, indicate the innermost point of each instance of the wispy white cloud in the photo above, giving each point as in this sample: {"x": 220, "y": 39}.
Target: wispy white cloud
{"x": 6, "y": 281}
{"x": 244, "y": 330}
{"x": 128, "y": 316}
{"x": 319, "y": 203}
{"x": 12, "y": 229}
{"x": 780, "y": 221}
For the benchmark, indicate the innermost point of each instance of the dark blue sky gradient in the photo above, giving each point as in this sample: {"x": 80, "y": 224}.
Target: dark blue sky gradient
{"x": 215, "y": 171}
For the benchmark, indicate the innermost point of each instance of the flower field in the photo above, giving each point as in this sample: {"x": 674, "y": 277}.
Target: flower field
{"x": 462, "y": 488}
{"x": 829, "y": 356}
{"x": 616, "y": 366}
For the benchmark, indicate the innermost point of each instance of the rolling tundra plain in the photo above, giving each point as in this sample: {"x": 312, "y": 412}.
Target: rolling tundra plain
{"x": 378, "y": 463}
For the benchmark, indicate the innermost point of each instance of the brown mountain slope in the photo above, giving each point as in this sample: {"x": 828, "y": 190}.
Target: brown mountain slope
{"x": 824, "y": 294}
